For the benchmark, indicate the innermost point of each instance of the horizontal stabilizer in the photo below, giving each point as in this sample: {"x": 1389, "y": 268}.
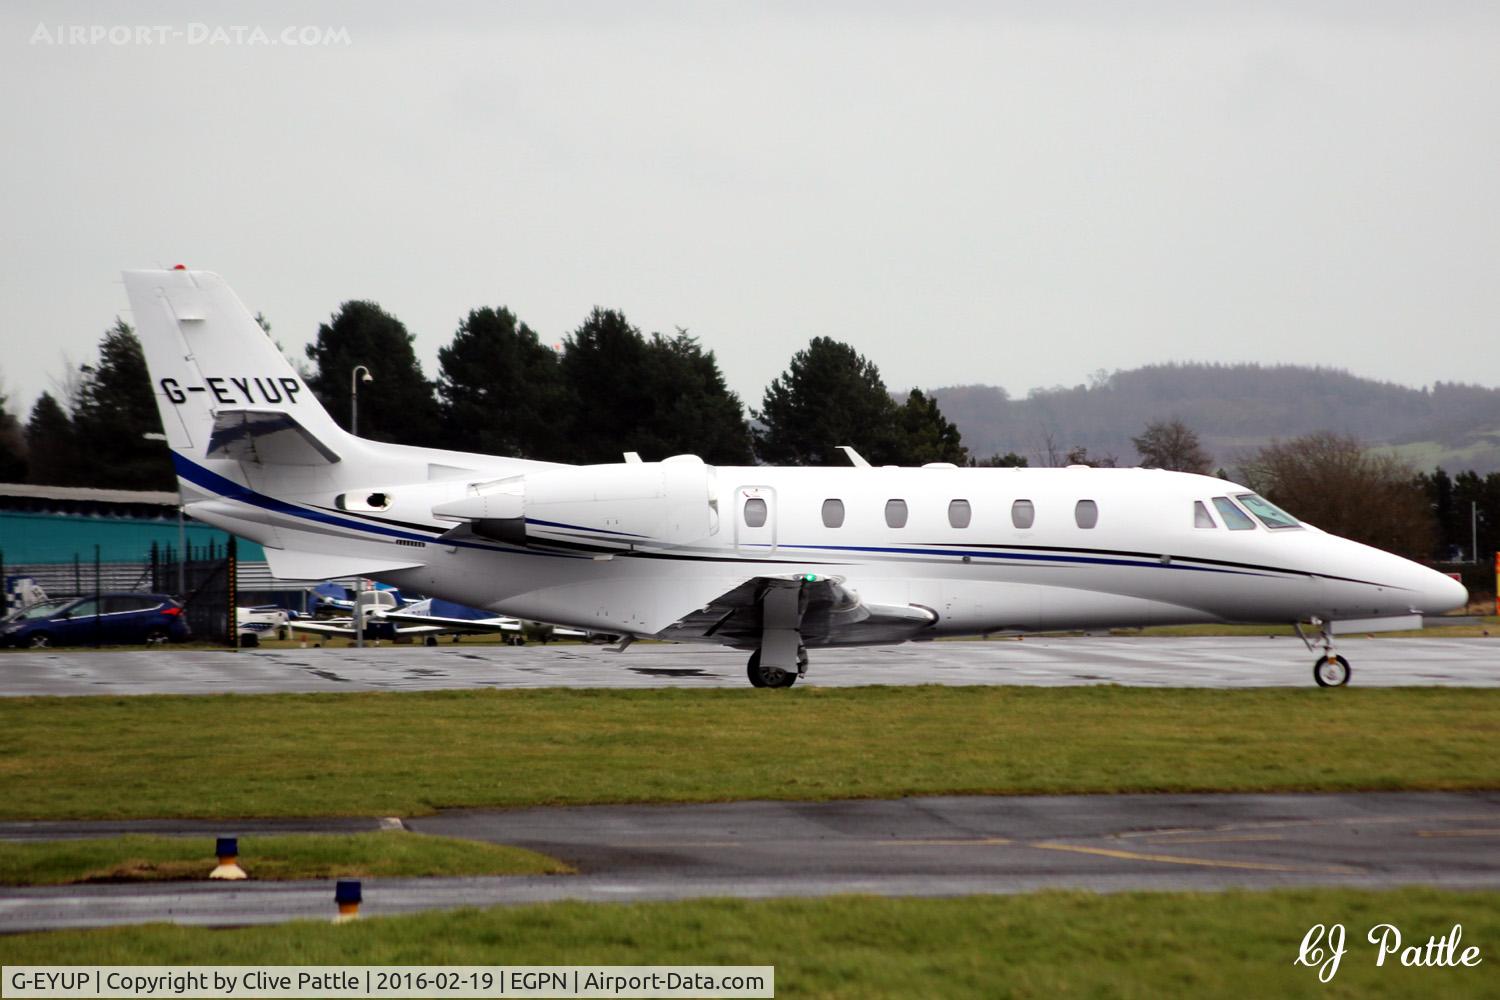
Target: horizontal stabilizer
{"x": 287, "y": 564}
{"x": 266, "y": 437}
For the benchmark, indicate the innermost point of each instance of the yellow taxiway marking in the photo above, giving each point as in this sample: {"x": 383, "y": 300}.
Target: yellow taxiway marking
{"x": 872, "y": 842}
{"x": 1172, "y": 859}
{"x": 1292, "y": 824}
{"x": 1226, "y": 838}
{"x": 1458, "y": 833}
{"x": 948, "y": 842}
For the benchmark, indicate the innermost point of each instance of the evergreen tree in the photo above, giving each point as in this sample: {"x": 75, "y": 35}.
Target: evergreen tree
{"x": 604, "y": 366}
{"x": 52, "y": 445}
{"x": 1438, "y": 489}
{"x": 660, "y": 397}
{"x": 1010, "y": 460}
{"x": 12, "y": 446}
{"x": 1473, "y": 495}
{"x": 116, "y": 410}
{"x": 927, "y": 435}
{"x": 830, "y": 395}
{"x": 398, "y": 404}
{"x": 702, "y": 417}
{"x": 501, "y": 390}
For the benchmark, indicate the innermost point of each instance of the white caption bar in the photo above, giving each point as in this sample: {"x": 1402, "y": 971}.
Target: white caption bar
{"x": 376, "y": 981}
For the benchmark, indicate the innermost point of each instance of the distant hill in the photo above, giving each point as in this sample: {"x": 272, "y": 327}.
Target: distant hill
{"x": 1234, "y": 409}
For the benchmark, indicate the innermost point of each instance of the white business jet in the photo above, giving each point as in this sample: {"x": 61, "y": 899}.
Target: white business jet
{"x": 771, "y": 560}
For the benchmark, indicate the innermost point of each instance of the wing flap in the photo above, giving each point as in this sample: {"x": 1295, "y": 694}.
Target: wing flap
{"x": 830, "y": 615}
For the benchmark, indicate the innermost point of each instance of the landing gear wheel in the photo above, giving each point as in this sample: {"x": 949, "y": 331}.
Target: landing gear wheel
{"x": 1331, "y": 671}
{"x": 768, "y": 677}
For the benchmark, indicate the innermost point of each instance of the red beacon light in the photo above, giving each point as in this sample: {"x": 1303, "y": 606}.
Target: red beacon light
{"x": 179, "y": 267}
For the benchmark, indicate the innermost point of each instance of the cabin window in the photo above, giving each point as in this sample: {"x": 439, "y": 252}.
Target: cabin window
{"x": 833, "y": 513}
{"x": 1269, "y": 514}
{"x": 1234, "y": 518}
{"x": 895, "y": 513}
{"x": 959, "y": 513}
{"x": 1201, "y": 517}
{"x": 1086, "y": 513}
{"x": 755, "y": 513}
{"x": 1023, "y": 514}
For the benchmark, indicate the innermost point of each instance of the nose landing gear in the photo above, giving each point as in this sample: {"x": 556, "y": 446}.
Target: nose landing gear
{"x": 1329, "y": 669}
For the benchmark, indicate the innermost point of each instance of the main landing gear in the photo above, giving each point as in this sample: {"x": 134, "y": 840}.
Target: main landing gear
{"x": 1329, "y": 669}
{"x": 775, "y": 677}
{"x": 781, "y": 657}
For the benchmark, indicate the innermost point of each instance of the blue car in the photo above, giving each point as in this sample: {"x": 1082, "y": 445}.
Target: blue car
{"x": 109, "y": 619}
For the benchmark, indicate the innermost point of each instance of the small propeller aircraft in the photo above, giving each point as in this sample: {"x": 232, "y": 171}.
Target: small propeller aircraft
{"x": 773, "y": 561}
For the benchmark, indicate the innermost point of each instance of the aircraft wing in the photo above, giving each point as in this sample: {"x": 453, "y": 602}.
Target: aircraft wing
{"x": 374, "y": 627}
{"x": 828, "y": 612}
{"x": 478, "y": 626}
{"x": 322, "y": 628}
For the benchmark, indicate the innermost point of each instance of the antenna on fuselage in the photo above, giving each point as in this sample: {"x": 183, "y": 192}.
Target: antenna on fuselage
{"x": 855, "y": 458}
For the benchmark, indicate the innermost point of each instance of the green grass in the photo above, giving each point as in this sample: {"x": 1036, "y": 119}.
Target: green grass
{"x": 1044, "y": 945}
{"x": 388, "y": 854}
{"x": 412, "y": 753}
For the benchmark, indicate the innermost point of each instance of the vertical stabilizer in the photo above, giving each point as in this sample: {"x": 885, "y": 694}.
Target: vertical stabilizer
{"x": 210, "y": 362}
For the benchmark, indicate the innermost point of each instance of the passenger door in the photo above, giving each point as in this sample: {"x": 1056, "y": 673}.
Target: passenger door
{"x": 755, "y": 519}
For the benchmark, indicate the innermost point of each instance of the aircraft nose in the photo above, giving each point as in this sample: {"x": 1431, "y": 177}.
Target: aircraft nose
{"x": 1441, "y": 592}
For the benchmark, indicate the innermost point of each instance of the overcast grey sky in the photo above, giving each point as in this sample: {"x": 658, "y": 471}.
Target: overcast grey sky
{"x": 1000, "y": 193}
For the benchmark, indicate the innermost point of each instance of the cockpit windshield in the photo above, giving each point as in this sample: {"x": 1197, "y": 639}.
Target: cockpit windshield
{"x": 1234, "y": 518}
{"x": 1269, "y": 514}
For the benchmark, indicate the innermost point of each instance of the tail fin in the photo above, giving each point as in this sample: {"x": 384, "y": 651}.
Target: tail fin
{"x": 221, "y": 384}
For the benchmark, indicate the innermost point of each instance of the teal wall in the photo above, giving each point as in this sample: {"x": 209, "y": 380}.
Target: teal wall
{"x": 56, "y": 538}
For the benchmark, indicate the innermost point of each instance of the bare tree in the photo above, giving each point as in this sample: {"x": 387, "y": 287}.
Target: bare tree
{"x": 1335, "y": 482}
{"x": 1052, "y": 456}
{"x": 1172, "y": 444}
{"x": 1079, "y": 455}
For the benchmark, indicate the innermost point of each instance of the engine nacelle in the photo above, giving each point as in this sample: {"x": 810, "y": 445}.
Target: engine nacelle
{"x": 666, "y": 503}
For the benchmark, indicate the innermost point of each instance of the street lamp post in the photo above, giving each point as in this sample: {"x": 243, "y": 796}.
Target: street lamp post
{"x": 355, "y": 378}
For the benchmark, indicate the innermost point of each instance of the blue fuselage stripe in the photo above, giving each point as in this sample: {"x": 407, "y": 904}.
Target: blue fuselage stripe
{"x": 229, "y": 489}
{"x": 1021, "y": 556}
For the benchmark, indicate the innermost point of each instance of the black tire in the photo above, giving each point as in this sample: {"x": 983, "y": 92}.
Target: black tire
{"x": 752, "y": 670}
{"x": 1331, "y": 672}
{"x": 431, "y": 640}
{"x": 250, "y": 641}
{"x": 768, "y": 677}
{"x": 39, "y": 640}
